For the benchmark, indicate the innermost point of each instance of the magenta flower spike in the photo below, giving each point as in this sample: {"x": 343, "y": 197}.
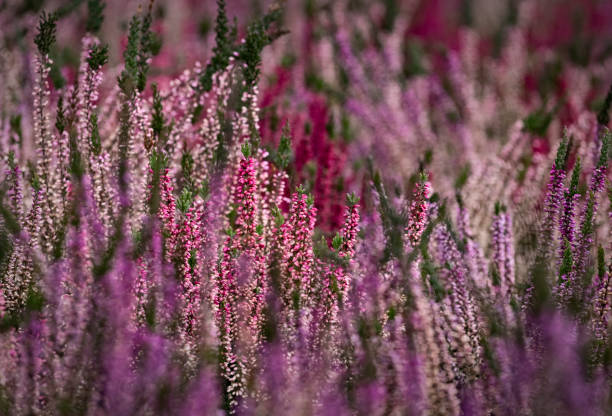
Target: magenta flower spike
{"x": 417, "y": 215}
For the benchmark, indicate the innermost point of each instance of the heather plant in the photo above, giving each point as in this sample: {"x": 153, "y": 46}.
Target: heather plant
{"x": 309, "y": 208}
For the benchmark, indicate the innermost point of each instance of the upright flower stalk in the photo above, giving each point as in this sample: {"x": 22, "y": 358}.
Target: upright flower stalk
{"x": 587, "y": 216}
{"x": 298, "y": 258}
{"x": 566, "y": 220}
{"x": 503, "y": 248}
{"x": 43, "y": 137}
{"x": 553, "y": 199}
{"x": 417, "y": 214}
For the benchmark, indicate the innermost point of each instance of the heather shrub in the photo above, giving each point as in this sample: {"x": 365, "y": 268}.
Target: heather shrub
{"x": 305, "y": 208}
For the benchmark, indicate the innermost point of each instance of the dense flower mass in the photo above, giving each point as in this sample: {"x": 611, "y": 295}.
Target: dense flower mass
{"x": 305, "y": 207}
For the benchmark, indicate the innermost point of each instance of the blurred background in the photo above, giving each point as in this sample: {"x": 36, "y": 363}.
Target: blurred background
{"x": 475, "y": 92}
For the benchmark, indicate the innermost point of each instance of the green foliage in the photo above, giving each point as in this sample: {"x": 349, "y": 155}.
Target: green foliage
{"x": 76, "y": 166}
{"x": 495, "y": 277}
{"x": 98, "y": 56}
{"x": 150, "y": 311}
{"x": 258, "y": 36}
{"x": 222, "y": 49}
{"x": 605, "y": 144}
{"x": 337, "y": 241}
{"x": 413, "y": 59}
{"x": 95, "y": 15}
{"x": 67, "y": 7}
{"x": 323, "y": 252}
{"x": 587, "y": 225}
{"x": 284, "y": 154}
{"x": 158, "y": 162}
{"x": 393, "y": 222}
{"x": 464, "y": 175}
{"x": 352, "y": 199}
{"x": 96, "y": 143}
{"x": 157, "y": 119}
{"x": 246, "y": 150}
{"x": 15, "y": 124}
{"x": 11, "y": 159}
{"x": 601, "y": 262}
{"x": 603, "y": 117}
{"x": 204, "y": 191}
{"x": 184, "y": 200}
{"x": 392, "y": 10}
{"x": 35, "y": 300}
{"x": 141, "y": 45}
{"x": 187, "y": 164}
{"x": 537, "y": 122}
{"x": 499, "y": 208}
{"x": 148, "y": 47}
{"x": 430, "y": 275}
{"x": 34, "y": 178}
{"x": 10, "y": 222}
{"x": 562, "y": 152}
{"x": 567, "y": 262}
{"x": 309, "y": 200}
{"x": 279, "y": 219}
{"x": 575, "y": 179}
{"x": 128, "y": 76}
{"x": 56, "y": 76}
{"x": 45, "y": 37}
{"x": 60, "y": 118}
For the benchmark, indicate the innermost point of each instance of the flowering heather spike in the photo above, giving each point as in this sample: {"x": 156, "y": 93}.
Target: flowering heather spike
{"x": 15, "y": 193}
{"x": 475, "y": 259}
{"x": 337, "y": 280}
{"x": 587, "y": 216}
{"x": 2, "y": 305}
{"x": 503, "y": 250}
{"x": 458, "y": 307}
{"x": 43, "y": 137}
{"x": 417, "y": 215}
{"x": 298, "y": 257}
{"x": 90, "y": 77}
{"x": 350, "y": 228}
{"x": 189, "y": 242}
{"x": 431, "y": 346}
{"x": 19, "y": 272}
{"x": 552, "y": 202}
{"x": 244, "y": 195}
{"x": 566, "y": 221}
{"x": 602, "y": 302}
{"x": 167, "y": 214}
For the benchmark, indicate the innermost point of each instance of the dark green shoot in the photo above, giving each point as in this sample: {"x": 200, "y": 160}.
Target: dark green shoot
{"x": 95, "y": 15}
{"x": 45, "y": 37}
{"x": 98, "y": 56}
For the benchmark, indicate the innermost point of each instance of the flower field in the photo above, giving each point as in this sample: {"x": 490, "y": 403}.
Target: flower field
{"x": 305, "y": 207}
